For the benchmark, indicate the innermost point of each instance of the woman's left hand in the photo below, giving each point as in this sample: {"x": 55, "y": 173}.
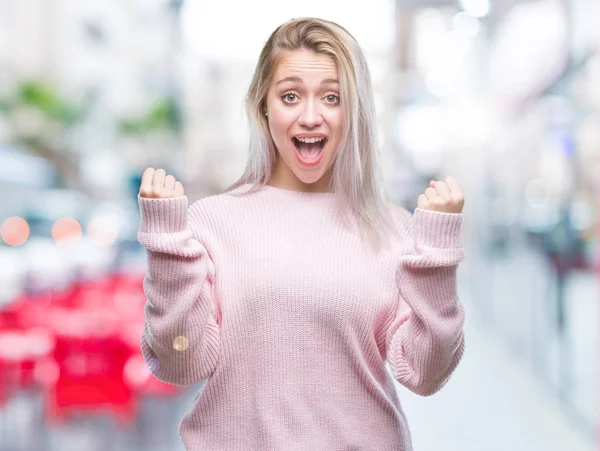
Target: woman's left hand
{"x": 446, "y": 197}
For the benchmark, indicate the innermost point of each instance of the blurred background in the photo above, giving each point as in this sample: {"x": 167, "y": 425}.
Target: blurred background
{"x": 502, "y": 94}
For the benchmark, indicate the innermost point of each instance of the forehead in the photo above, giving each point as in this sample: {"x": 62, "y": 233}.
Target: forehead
{"x": 307, "y": 63}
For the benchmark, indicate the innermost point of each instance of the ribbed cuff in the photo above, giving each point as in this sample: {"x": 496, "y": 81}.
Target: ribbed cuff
{"x": 438, "y": 229}
{"x": 163, "y": 215}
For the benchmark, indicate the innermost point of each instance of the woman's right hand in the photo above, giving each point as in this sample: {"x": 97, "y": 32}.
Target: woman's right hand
{"x": 157, "y": 184}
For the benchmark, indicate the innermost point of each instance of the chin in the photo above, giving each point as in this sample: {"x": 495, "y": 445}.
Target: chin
{"x": 308, "y": 178}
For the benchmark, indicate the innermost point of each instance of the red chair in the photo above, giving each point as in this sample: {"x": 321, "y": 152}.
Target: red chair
{"x": 90, "y": 361}
{"x": 82, "y": 346}
{"x": 20, "y": 352}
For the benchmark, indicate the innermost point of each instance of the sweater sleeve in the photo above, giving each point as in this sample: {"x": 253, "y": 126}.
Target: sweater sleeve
{"x": 425, "y": 340}
{"x": 180, "y": 342}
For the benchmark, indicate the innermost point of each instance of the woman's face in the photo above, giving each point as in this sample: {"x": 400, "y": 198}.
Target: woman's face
{"x": 303, "y": 103}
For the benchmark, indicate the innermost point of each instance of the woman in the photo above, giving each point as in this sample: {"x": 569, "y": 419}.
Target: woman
{"x": 289, "y": 292}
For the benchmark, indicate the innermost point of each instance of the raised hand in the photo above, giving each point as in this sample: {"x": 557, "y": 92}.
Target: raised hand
{"x": 441, "y": 196}
{"x": 158, "y": 185}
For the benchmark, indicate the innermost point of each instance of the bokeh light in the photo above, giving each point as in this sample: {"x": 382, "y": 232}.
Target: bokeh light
{"x": 14, "y": 231}
{"x": 103, "y": 231}
{"x": 180, "y": 343}
{"x": 66, "y": 230}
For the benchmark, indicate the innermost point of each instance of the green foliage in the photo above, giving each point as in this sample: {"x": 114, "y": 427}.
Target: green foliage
{"x": 41, "y": 96}
{"x": 44, "y": 98}
{"x": 164, "y": 115}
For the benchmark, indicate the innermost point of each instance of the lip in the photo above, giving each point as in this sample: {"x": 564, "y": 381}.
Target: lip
{"x": 310, "y": 135}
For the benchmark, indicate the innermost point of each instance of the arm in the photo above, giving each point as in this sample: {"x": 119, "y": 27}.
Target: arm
{"x": 426, "y": 342}
{"x": 180, "y": 343}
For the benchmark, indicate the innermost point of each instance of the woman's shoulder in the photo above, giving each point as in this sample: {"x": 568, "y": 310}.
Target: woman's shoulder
{"x": 212, "y": 215}
{"x": 220, "y": 204}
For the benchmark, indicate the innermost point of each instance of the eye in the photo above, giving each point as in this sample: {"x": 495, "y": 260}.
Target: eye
{"x": 286, "y": 95}
{"x": 336, "y": 98}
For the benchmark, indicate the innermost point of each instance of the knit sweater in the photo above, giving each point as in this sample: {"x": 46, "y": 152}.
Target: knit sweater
{"x": 290, "y": 319}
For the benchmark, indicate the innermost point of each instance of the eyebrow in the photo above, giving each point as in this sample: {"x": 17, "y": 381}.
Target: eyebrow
{"x": 327, "y": 81}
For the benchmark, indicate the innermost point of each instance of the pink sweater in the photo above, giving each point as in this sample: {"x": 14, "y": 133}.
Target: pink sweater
{"x": 291, "y": 319}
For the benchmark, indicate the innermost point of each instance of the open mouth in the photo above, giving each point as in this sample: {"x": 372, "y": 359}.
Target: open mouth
{"x": 309, "y": 153}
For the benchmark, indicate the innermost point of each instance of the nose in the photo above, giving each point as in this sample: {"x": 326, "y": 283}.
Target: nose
{"x": 311, "y": 115}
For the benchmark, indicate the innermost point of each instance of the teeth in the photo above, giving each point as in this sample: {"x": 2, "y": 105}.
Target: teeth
{"x": 310, "y": 140}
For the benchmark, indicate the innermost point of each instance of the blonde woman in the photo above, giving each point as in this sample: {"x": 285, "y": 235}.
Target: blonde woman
{"x": 288, "y": 293}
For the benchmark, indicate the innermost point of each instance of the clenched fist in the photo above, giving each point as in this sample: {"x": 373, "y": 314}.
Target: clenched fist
{"x": 442, "y": 196}
{"x": 158, "y": 185}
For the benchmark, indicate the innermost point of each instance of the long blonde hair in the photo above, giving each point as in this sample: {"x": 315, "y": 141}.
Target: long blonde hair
{"x": 356, "y": 177}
